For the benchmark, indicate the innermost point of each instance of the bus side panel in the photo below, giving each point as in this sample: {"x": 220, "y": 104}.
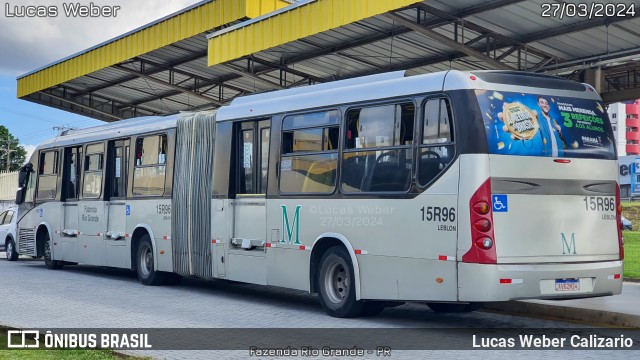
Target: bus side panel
{"x": 476, "y": 172}
{"x": 402, "y": 255}
{"x": 48, "y": 214}
{"x": 156, "y": 214}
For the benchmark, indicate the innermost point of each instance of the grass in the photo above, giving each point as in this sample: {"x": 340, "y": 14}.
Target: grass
{"x": 632, "y": 254}
{"x": 66, "y": 354}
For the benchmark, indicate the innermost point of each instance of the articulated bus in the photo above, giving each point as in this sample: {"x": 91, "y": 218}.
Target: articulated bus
{"x": 453, "y": 189}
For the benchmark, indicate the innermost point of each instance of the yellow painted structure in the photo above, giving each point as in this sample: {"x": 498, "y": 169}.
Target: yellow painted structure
{"x": 295, "y": 24}
{"x": 195, "y": 21}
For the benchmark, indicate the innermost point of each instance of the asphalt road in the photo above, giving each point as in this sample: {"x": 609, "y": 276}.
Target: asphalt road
{"x": 91, "y": 297}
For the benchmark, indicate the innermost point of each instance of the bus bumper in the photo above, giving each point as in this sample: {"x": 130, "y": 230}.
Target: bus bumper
{"x": 495, "y": 282}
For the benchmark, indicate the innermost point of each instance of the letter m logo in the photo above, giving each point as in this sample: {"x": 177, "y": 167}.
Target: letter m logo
{"x": 289, "y": 229}
{"x": 568, "y": 247}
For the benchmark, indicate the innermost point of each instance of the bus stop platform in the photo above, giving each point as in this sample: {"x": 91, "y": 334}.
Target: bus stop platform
{"x": 619, "y": 310}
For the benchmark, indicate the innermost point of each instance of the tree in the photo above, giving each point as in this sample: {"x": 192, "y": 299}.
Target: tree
{"x": 10, "y": 148}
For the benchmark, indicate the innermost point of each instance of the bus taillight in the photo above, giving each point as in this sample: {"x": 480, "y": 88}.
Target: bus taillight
{"x": 483, "y": 225}
{"x": 483, "y": 248}
{"x": 619, "y": 220}
{"x": 481, "y": 207}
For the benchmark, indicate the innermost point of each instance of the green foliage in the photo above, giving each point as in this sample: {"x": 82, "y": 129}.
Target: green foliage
{"x": 632, "y": 254}
{"x": 18, "y": 153}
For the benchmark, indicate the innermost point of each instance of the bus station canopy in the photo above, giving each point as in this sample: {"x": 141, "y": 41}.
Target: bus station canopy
{"x": 207, "y": 55}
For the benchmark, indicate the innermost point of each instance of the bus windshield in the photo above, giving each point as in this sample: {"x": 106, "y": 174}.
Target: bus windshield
{"x": 545, "y": 125}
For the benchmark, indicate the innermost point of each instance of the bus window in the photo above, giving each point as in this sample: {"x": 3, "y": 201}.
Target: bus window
{"x": 117, "y": 169}
{"x": 526, "y": 124}
{"x": 92, "y": 180}
{"x": 150, "y": 168}
{"x": 378, "y": 154}
{"x": 309, "y": 153}
{"x": 247, "y": 163}
{"x": 71, "y": 184}
{"x": 265, "y": 135}
{"x": 436, "y": 150}
{"x": 48, "y": 176}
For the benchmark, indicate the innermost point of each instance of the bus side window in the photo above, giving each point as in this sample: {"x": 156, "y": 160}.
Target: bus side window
{"x": 150, "y": 166}
{"x": 71, "y": 184}
{"x": 92, "y": 180}
{"x": 436, "y": 149}
{"x": 309, "y": 159}
{"x": 48, "y": 175}
{"x": 378, "y": 153}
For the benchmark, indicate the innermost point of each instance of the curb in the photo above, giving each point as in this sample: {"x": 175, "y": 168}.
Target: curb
{"x": 596, "y": 317}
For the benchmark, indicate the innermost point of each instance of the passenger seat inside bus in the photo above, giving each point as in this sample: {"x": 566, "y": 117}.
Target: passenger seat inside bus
{"x": 389, "y": 176}
{"x": 429, "y": 167}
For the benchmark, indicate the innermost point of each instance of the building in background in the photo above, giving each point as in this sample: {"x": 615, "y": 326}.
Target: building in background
{"x": 625, "y": 120}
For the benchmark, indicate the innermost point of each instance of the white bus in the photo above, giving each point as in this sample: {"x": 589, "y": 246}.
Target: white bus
{"x": 452, "y": 188}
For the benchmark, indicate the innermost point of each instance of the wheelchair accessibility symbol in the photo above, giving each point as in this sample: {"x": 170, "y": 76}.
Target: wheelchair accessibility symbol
{"x": 500, "y": 203}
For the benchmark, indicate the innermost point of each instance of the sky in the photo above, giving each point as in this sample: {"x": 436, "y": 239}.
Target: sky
{"x": 27, "y": 43}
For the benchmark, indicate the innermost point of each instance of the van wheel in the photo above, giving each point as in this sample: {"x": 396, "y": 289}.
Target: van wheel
{"x": 48, "y": 261}
{"x": 146, "y": 272}
{"x": 337, "y": 285}
{"x": 10, "y": 248}
{"x": 454, "y": 307}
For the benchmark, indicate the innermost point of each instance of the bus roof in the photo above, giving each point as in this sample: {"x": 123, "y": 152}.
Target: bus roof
{"x": 113, "y": 130}
{"x": 374, "y": 87}
{"x": 395, "y": 84}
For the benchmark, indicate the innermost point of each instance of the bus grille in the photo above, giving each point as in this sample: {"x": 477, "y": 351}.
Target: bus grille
{"x": 26, "y": 242}
{"x": 191, "y": 200}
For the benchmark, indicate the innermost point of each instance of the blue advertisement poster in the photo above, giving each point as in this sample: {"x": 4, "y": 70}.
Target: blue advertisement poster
{"x": 542, "y": 125}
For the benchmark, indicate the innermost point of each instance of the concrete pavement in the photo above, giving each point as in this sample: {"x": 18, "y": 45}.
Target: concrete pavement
{"x": 618, "y": 310}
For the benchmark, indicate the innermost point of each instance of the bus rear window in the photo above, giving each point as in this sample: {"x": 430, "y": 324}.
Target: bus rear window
{"x": 545, "y": 125}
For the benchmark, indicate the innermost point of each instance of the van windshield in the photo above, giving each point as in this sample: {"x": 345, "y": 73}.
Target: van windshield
{"x": 546, "y": 125}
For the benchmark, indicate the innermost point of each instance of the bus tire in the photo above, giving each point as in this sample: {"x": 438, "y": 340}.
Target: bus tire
{"x": 147, "y": 274}
{"x": 454, "y": 307}
{"x": 48, "y": 261}
{"x": 336, "y": 284}
{"x": 10, "y": 249}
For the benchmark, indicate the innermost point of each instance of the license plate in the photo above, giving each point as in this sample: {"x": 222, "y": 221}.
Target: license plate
{"x": 567, "y": 285}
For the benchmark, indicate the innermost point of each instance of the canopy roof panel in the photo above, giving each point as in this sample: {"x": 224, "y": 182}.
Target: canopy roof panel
{"x": 317, "y": 41}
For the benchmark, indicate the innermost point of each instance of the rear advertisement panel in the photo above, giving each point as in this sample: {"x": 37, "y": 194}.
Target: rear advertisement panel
{"x": 544, "y": 125}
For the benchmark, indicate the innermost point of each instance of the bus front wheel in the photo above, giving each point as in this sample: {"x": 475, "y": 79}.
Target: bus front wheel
{"x": 147, "y": 274}
{"x": 337, "y": 285}
{"x": 48, "y": 261}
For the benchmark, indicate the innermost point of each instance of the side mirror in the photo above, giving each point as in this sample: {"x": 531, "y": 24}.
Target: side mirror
{"x": 23, "y": 180}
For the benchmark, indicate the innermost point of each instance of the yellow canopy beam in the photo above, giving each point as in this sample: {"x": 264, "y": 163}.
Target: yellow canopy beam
{"x": 197, "y": 20}
{"x": 294, "y": 24}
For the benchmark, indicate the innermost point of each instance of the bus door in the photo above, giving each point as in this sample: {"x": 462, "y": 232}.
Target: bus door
{"x": 70, "y": 191}
{"x": 92, "y": 218}
{"x": 115, "y": 202}
{"x": 247, "y": 260}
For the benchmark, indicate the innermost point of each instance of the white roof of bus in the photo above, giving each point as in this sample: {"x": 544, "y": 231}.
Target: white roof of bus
{"x": 122, "y": 128}
{"x": 381, "y": 86}
{"x": 374, "y": 87}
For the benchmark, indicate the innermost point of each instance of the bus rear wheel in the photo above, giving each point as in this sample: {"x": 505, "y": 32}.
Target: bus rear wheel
{"x": 147, "y": 274}
{"x": 454, "y": 307}
{"x": 48, "y": 261}
{"x": 10, "y": 249}
{"x": 337, "y": 285}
